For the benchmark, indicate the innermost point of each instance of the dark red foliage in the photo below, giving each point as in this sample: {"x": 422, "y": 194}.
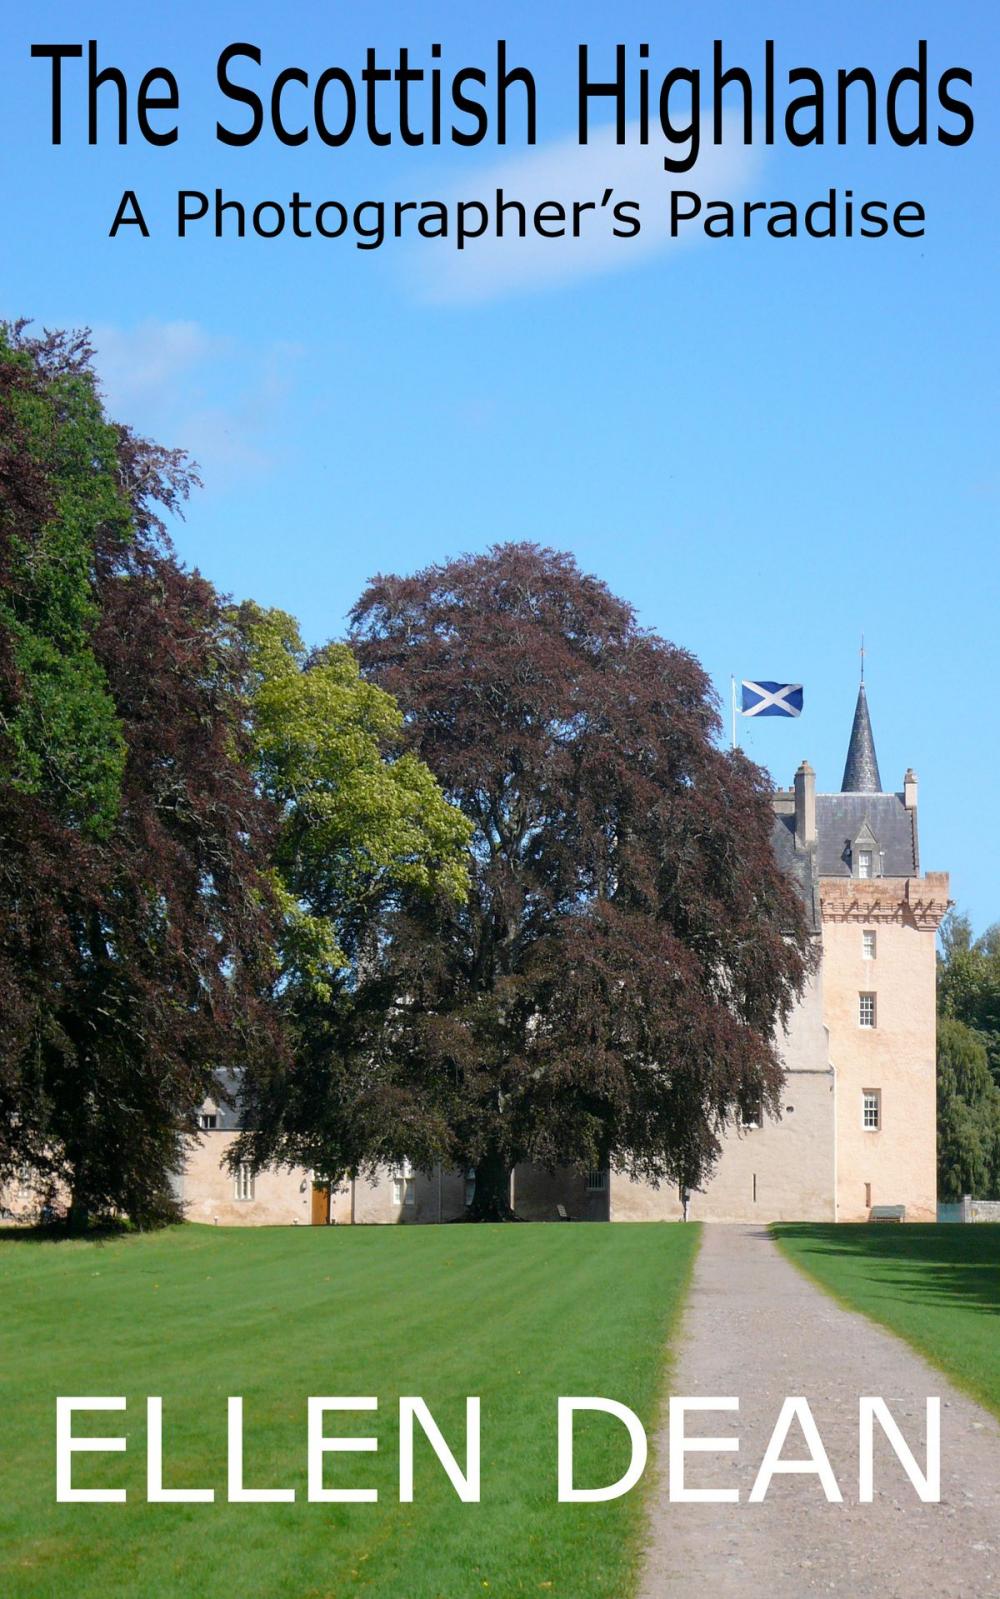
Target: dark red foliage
{"x": 134, "y": 964}
{"x": 611, "y": 991}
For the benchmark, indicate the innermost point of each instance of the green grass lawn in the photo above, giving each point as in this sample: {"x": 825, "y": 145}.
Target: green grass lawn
{"x": 517, "y": 1315}
{"x": 936, "y": 1286}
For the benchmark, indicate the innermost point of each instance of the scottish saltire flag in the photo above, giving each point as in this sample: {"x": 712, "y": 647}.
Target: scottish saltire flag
{"x": 771, "y": 699}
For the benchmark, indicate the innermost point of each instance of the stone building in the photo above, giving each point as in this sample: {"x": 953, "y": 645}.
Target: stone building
{"x": 858, "y": 1123}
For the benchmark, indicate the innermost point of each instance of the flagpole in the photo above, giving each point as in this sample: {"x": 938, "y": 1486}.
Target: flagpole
{"x": 733, "y": 683}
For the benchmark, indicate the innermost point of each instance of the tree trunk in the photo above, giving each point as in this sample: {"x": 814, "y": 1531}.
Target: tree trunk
{"x": 78, "y": 1216}
{"x": 491, "y": 1200}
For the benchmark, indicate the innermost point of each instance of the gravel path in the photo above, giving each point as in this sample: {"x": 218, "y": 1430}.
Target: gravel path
{"x": 756, "y": 1328}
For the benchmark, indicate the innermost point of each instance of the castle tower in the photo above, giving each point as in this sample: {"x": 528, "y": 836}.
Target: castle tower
{"x": 879, "y": 916}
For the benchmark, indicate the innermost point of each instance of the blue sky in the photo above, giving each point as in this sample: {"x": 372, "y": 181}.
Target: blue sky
{"x": 768, "y": 446}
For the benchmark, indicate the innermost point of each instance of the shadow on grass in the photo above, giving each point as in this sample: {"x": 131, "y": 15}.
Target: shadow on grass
{"x": 931, "y": 1263}
{"x": 59, "y": 1233}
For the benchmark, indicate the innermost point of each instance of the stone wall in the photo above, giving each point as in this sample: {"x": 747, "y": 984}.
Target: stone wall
{"x": 896, "y": 1163}
{"x": 781, "y": 1170}
{"x": 208, "y": 1190}
{"x": 408, "y": 1196}
{"x": 537, "y": 1194}
{"x": 970, "y": 1210}
{"x": 23, "y": 1200}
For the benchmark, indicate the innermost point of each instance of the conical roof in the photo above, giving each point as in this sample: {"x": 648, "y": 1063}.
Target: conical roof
{"x": 861, "y": 774}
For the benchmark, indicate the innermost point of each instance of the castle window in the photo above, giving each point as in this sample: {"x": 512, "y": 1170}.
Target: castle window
{"x": 597, "y": 1182}
{"x": 243, "y": 1183}
{"x": 871, "y": 1110}
{"x": 208, "y": 1121}
{"x": 868, "y": 945}
{"x": 866, "y": 1010}
{"x": 865, "y": 862}
{"x": 402, "y": 1187}
{"x": 751, "y": 1117}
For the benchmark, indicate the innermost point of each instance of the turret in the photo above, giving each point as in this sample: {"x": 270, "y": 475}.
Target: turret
{"x": 861, "y": 774}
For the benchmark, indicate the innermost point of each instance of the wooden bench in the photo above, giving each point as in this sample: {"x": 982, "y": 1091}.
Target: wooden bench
{"x": 887, "y": 1213}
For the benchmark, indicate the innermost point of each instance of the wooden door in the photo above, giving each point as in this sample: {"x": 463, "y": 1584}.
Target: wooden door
{"x": 320, "y": 1205}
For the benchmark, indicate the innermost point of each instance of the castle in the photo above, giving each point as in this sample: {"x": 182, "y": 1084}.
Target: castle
{"x": 857, "y": 1129}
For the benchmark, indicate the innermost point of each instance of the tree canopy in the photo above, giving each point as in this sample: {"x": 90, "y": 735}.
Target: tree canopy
{"x": 477, "y": 886}
{"x": 136, "y": 926}
{"x": 612, "y": 988}
{"x": 968, "y": 1060}
{"x": 969, "y": 981}
{"x": 360, "y": 822}
{"x": 201, "y": 827}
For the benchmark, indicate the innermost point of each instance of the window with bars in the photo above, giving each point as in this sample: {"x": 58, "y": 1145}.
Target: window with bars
{"x": 871, "y": 1110}
{"x": 243, "y": 1183}
{"x": 866, "y": 1010}
{"x": 597, "y": 1182}
{"x": 868, "y": 945}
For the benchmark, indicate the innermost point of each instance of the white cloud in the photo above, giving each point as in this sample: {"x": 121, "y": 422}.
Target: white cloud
{"x": 566, "y": 171}
{"x": 137, "y": 363}
{"x": 222, "y": 401}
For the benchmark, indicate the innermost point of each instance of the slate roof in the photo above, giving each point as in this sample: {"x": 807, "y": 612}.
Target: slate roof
{"x": 841, "y": 817}
{"x": 861, "y": 775}
{"x": 228, "y": 1118}
{"x": 861, "y": 816}
{"x": 799, "y": 864}
{"x": 845, "y": 823}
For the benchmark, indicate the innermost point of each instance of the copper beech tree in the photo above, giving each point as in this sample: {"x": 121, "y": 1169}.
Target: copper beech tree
{"x": 612, "y": 990}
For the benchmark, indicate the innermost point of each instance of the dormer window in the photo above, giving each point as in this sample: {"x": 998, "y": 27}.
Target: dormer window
{"x": 864, "y": 854}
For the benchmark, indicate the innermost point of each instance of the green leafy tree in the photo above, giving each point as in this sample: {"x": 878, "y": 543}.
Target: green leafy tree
{"x": 62, "y": 735}
{"x": 361, "y": 822}
{"x": 136, "y": 927}
{"x": 969, "y": 981}
{"x": 968, "y": 1059}
{"x": 968, "y": 1114}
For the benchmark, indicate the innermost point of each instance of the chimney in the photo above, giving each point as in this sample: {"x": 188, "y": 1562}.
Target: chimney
{"x": 910, "y": 789}
{"x": 805, "y": 806}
